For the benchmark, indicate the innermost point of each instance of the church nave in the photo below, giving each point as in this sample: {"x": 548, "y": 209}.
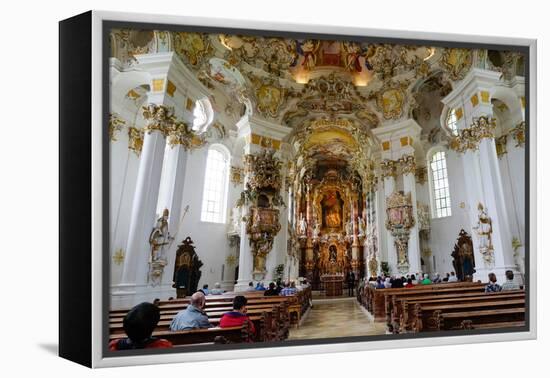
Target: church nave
{"x": 336, "y": 318}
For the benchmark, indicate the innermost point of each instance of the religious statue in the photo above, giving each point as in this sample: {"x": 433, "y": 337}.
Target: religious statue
{"x": 361, "y": 226}
{"x": 302, "y": 226}
{"x": 159, "y": 237}
{"x": 235, "y": 222}
{"x": 332, "y": 210}
{"x": 333, "y": 255}
{"x": 463, "y": 256}
{"x": 316, "y": 229}
{"x": 484, "y": 230}
{"x": 349, "y": 228}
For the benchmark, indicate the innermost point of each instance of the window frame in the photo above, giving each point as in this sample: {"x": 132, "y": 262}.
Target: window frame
{"x": 435, "y": 211}
{"x": 222, "y": 217}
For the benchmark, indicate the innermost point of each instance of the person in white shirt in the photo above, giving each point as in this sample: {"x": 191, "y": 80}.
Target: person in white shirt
{"x": 453, "y": 277}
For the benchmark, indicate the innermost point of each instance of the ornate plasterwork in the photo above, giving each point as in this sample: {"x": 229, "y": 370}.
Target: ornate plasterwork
{"x": 135, "y": 139}
{"x": 116, "y": 124}
{"x": 390, "y": 99}
{"x": 500, "y": 144}
{"x": 399, "y": 221}
{"x": 263, "y": 170}
{"x": 388, "y": 168}
{"x": 518, "y": 133}
{"x": 407, "y": 164}
{"x": 193, "y": 48}
{"x": 421, "y": 175}
{"x": 469, "y": 138}
{"x": 269, "y": 95}
{"x": 457, "y": 62}
{"x": 236, "y": 175}
{"x": 484, "y": 231}
{"x": 159, "y": 118}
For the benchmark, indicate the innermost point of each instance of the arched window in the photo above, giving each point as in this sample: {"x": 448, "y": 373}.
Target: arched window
{"x": 214, "y": 196}
{"x": 441, "y": 198}
{"x": 452, "y": 122}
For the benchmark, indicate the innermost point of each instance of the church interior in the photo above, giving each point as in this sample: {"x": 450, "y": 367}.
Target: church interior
{"x": 329, "y": 164}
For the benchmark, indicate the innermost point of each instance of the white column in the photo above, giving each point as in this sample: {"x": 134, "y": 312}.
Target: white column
{"x": 409, "y": 186}
{"x": 495, "y": 203}
{"x": 143, "y": 210}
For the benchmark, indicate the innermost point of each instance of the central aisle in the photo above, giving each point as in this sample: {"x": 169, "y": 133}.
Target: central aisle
{"x": 336, "y": 318}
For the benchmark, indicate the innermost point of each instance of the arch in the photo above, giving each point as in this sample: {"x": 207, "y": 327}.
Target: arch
{"x": 510, "y": 98}
{"x": 215, "y": 187}
{"x": 438, "y": 182}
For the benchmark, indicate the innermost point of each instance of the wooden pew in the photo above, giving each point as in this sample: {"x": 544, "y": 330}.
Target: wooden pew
{"x": 379, "y": 300}
{"x": 435, "y": 317}
{"x": 403, "y": 308}
{"x": 201, "y": 336}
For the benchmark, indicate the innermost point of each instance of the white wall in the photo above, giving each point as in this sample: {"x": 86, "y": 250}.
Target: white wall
{"x": 444, "y": 231}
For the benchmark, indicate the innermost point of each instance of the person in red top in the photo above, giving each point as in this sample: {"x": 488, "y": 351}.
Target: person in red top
{"x": 139, "y": 324}
{"x": 237, "y": 317}
{"x": 409, "y": 283}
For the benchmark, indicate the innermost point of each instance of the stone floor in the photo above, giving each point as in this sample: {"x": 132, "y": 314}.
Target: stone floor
{"x": 336, "y": 318}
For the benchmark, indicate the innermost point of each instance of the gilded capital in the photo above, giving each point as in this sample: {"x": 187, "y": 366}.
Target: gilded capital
{"x": 159, "y": 118}
{"x": 407, "y": 164}
{"x": 469, "y": 138}
{"x": 388, "y": 168}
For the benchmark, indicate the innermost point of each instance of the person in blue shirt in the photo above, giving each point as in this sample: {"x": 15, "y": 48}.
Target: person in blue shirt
{"x": 205, "y": 289}
{"x": 193, "y": 316}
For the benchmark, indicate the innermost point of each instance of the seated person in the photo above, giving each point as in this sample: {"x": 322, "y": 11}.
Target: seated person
{"x": 289, "y": 289}
{"x": 510, "y": 284}
{"x": 426, "y": 280}
{"x": 272, "y": 291}
{"x": 193, "y": 316}
{"x": 437, "y": 278}
{"x": 250, "y": 286}
{"x": 205, "y": 289}
{"x": 139, "y": 324}
{"x": 446, "y": 278}
{"x": 409, "y": 283}
{"x": 238, "y": 316}
{"x": 492, "y": 286}
{"x": 413, "y": 278}
{"x": 452, "y": 277}
{"x": 217, "y": 290}
{"x": 260, "y": 286}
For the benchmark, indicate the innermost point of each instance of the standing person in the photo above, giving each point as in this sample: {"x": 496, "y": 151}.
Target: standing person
{"x": 510, "y": 284}
{"x": 193, "y": 316}
{"x": 350, "y": 279}
{"x": 139, "y": 324}
{"x": 238, "y": 316}
{"x": 492, "y": 286}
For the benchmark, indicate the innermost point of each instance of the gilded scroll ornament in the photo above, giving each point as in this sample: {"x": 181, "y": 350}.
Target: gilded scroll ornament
{"x": 457, "y": 62}
{"x": 407, "y": 164}
{"x": 135, "y": 140}
{"x": 159, "y": 118}
{"x": 500, "y": 144}
{"x": 469, "y": 138}
{"x": 236, "y": 175}
{"x": 388, "y": 168}
{"x": 518, "y": 133}
{"x": 116, "y": 124}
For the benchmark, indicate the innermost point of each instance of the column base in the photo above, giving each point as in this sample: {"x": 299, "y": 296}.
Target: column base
{"x": 125, "y": 296}
{"x": 241, "y": 285}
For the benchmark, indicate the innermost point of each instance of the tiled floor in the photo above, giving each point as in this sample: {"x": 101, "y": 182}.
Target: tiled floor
{"x": 336, "y": 318}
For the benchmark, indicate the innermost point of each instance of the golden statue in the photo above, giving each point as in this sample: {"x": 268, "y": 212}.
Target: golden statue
{"x": 332, "y": 209}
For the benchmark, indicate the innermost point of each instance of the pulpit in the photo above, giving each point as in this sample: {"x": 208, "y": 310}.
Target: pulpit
{"x": 333, "y": 284}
